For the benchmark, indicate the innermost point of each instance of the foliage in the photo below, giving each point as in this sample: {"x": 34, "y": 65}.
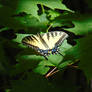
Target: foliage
{"x": 25, "y": 68}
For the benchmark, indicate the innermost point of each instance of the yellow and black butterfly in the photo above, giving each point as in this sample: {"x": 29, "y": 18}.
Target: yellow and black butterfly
{"x": 46, "y": 43}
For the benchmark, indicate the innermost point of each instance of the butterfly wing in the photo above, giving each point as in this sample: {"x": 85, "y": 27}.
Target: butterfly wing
{"x": 35, "y": 41}
{"x": 54, "y": 38}
{"x": 45, "y": 41}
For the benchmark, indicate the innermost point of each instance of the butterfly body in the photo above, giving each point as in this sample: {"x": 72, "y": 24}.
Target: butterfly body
{"x": 47, "y": 52}
{"x": 47, "y": 43}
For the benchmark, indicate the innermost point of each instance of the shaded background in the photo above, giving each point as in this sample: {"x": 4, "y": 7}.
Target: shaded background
{"x": 20, "y": 72}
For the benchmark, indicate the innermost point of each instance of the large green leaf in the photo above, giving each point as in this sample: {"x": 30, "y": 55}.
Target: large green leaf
{"x": 26, "y": 22}
{"x": 82, "y": 24}
{"x": 85, "y": 48}
{"x": 81, "y": 52}
{"x": 23, "y": 14}
{"x": 27, "y": 6}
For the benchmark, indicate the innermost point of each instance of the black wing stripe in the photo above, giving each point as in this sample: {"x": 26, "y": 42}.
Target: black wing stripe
{"x": 60, "y": 40}
{"x": 43, "y": 41}
{"x": 29, "y": 38}
{"x": 48, "y": 36}
{"x": 34, "y": 37}
{"x": 55, "y": 33}
{"x": 52, "y": 34}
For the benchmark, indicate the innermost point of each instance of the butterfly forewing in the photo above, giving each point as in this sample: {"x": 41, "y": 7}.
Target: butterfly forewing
{"x": 33, "y": 41}
{"x": 54, "y": 38}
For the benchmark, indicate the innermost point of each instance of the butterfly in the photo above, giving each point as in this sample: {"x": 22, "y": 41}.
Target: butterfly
{"x": 46, "y": 43}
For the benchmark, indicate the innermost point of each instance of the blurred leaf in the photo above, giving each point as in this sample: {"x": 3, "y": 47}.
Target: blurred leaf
{"x": 73, "y": 53}
{"x": 45, "y": 63}
{"x": 82, "y": 24}
{"x": 27, "y": 6}
{"x": 7, "y": 19}
{"x": 32, "y": 84}
{"x": 31, "y": 19}
{"x": 4, "y": 59}
{"x": 82, "y": 51}
{"x": 53, "y": 14}
{"x": 30, "y": 6}
{"x": 26, "y": 22}
{"x": 4, "y": 28}
{"x": 43, "y": 19}
{"x": 41, "y": 69}
{"x": 63, "y": 19}
{"x": 60, "y": 23}
{"x": 20, "y": 37}
{"x": 25, "y": 63}
{"x": 85, "y": 47}
{"x": 38, "y": 83}
{"x": 64, "y": 64}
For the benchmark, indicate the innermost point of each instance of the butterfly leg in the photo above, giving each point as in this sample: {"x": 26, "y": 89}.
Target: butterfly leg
{"x": 44, "y": 53}
{"x": 45, "y": 57}
{"x": 56, "y": 51}
{"x": 60, "y": 53}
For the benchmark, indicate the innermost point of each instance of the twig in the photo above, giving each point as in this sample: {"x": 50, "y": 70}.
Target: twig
{"x": 51, "y": 72}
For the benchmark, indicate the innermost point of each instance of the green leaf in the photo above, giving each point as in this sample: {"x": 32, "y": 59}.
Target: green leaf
{"x": 82, "y": 24}
{"x": 22, "y": 22}
{"x": 41, "y": 69}
{"x": 4, "y": 28}
{"x": 27, "y": 6}
{"x": 7, "y": 90}
{"x": 3, "y": 60}
{"x": 85, "y": 48}
{"x": 73, "y": 54}
{"x": 64, "y": 64}
{"x": 31, "y": 17}
{"x": 24, "y": 63}
{"x": 20, "y": 37}
{"x": 53, "y": 14}
{"x": 62, "y": 19}
{"x": 82, "y": 51}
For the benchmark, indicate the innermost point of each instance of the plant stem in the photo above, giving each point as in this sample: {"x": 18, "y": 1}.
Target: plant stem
{"x": 42, "y": 8}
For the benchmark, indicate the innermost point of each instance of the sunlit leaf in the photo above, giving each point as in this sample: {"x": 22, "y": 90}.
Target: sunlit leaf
{"x": 82, "y": 25}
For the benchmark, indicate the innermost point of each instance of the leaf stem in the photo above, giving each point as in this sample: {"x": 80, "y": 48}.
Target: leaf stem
{"x": 42, "y": 8}
{"x": 49, "y": 27}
